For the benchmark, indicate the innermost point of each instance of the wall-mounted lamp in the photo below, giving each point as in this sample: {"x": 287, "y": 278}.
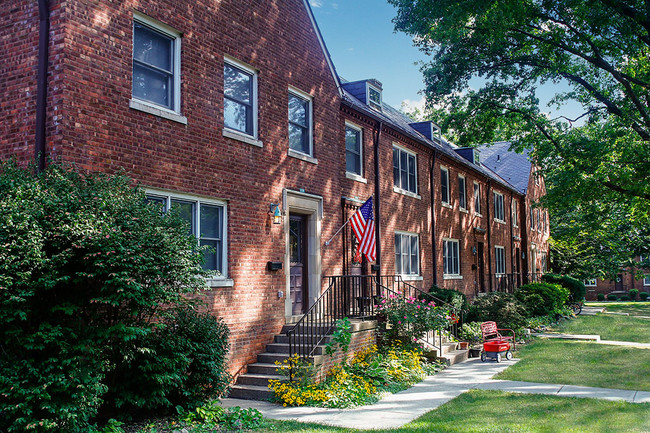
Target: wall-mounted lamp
{"x": 523, "y": 255}
{"x": 473, "y": 251}
{"x": 276, "y": 214}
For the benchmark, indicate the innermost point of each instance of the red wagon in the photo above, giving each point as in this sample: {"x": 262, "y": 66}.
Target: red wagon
{"x": 495, "y": 345}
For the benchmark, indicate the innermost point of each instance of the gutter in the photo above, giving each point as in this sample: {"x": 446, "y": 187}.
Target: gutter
{"x": 41, "y": 83}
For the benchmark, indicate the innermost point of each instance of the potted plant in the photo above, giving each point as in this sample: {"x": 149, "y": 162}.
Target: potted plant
{"x": 471, "y": 333}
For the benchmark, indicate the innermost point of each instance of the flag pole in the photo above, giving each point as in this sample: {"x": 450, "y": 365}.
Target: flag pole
{"x": 337, "y": 232}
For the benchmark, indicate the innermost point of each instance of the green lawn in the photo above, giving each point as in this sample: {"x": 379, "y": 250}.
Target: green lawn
{"x": 499, "y": 412}
{"x": 633, "y": 308}
{"x": 609, "y": 327}
{"x": 581, "y": 363}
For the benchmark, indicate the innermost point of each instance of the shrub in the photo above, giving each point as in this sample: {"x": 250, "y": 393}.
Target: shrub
{"x": 85, "y": 268}
{"x": 410, "y": 318}
{"x": 503, "y": 308}
{"x": 633, "y": 294}
{"x": 625, "y": 298}
{"x": 470, "y": 332}
{"x": 541, "y": 299}
{"x": 454, "y": 298}
{"x": 600, "y": 297}
{"x": 577, "y": 289}
{"x": 644, "y": 295}
{"x": 612, "y": 297}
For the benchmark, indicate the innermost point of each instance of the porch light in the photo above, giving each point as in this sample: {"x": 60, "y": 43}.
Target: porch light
{"x": 275, "y": 212}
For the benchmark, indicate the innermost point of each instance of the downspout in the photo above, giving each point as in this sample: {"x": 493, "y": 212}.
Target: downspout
{"x": 489, "y": 235}
{"x": 512, "y": 243}
{"x": 377, "y": 203}
{"x": 41, "y": 83}
{"x": 433, "y": 217}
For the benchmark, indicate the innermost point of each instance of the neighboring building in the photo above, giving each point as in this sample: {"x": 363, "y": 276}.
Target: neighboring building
{"x": 225, "y": 109}
{"x": 626, "y": 280}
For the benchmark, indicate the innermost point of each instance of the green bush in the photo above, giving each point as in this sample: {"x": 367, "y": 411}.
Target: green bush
{"x": 577, "y": 289}
{"x": 470, "y": 332}
{"x": 625, "y": 298}
{"x": 503, "y": 308}
{"x": 600, "y": 297}
{"x": 644, "y": 295}
{"x": 541, "y": 299}
{"x": 409, "y": 317}
{"x": 454, "y": 298}
{"x": 634, "y": 293}
{"x": 612, "y": 297}
{"x": 86, "y": 268}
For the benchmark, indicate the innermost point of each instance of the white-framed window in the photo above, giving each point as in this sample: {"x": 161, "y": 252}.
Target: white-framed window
{"x": 591, "y": 282}
{"x": 374, "y": 97}
{"x": 462, "y": 193}
{"x": 515, "y": 216}
{"x": 499, "y": 260}
{"x": 451, "y": 257}
{"x": 207, "y": 221}
{"x": 646, "y": 280}
{"x": 499, "y": 214}
{"x": 301, "y": 124}
{"x": 156, "y": 64}
{"x": 405, "y": 173}
{"x": 407, "y": 253}
{"x": 240, "y": 98}
{"x": 477, "y": 198}
{"x": 444, "y": 185}
{"x": 532, "y": 219}
{"x": 353, "y": 149}
{"x": 539, "y": 221}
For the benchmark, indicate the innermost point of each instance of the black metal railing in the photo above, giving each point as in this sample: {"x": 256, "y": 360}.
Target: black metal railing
{"x": 505, "y": 282}
{"x": 356, "y": 297}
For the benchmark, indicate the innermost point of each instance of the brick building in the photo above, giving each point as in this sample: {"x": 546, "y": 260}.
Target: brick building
{"x": 233, "y": 111}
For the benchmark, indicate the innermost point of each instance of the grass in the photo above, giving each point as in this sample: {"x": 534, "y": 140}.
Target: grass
{"x": 495, "y": 411}
{"x": 609, "y": 327}
{"x": 580, "y": 363}
{"x": 633, "y": 308}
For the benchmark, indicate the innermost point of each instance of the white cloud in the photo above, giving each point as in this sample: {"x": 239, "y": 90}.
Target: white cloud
{"x": 316, "y": 3}
{"x": 409, "y": 106}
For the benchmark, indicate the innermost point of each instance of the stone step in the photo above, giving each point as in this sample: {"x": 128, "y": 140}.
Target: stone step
{"x": 313, "y": 329}
{"x": 258, "y": 379}
{"x": 284, "y": 339}
{"x": 270, "y": 358}
{"x": 455, "y": 356}
{"x": 251, "y": 392}
{"x": 284, "y": 348}
{"x": 262, "y": 368}
{"x": 447, "y": 347}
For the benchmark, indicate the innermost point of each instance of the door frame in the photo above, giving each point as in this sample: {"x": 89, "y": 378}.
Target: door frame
{"x": 311, "y": 206}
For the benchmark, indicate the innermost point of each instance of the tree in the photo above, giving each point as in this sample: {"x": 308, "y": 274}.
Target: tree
{"x": 597, "y": 165}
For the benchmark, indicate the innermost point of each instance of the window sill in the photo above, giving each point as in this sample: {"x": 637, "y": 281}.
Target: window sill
{"x": 463, "y": 210}
{"x": 478, "y": 215}
{"x": 447, "y": 205}
{"x": 452, "y": 277}
{"x": 239, "y": 136}
{"x": 405, "y": 192}
{"x": 157, "y": 111}
{"x": 496, "y": 220}
{"x": 355, "y": 177}
{"x": 219, "y": 282}
{"x": 302, "y": 156}
{"x": 411, "y": 277}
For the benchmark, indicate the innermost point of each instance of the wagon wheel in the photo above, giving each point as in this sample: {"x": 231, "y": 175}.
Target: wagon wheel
{"x": 483, "y": 357}
{"x": 498, "y": 357}
{"x": 508, "y": 355}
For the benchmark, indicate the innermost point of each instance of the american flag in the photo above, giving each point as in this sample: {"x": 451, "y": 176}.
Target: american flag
{"x": 363, "y": 225}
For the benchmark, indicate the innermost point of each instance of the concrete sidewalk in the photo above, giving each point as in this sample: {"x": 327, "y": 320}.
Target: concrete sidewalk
{"x": 591, "y": 339}
{"x": 395, "y": 410}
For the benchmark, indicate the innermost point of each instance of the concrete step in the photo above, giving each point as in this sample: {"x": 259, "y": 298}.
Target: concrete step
{"x": 258, "y": 379}
{"x": 313, "y": 329}
{"x": 284, "y": 339}
{"x": 284, "y": 348}
{"x": 271, "y": 358}
{"x": 448, "y": 347}
{"x": 251, "y": 392}
{"x": 455, "y": 356}
{"x": 262, "y": 368}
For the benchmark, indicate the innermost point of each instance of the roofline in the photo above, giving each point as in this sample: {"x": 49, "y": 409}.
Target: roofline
{"x": 326, "y": 52}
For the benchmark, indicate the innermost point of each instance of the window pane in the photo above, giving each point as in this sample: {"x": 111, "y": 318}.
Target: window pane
{"x": 212, "y": 259}
{"x": 403, "y": 164}
{"x": 461, "y": 192}
{"x": 406, "y": 268}
{"x": 352, "y": 163}
{"x": 396, "y": 167}
{"x": 398, "y": 254}
{"x": 238, "y": 116}
{"x": 414, "y": 255}
{"x": 477, "y": 198}
{"x": 238, "y": 85}
{"x": 160, "y": 201}
{"x": 444, "y": 185}
{"x": 298, "y": 110}
{"x": 298, "y": 138}
{"x": 456, "y": 269}
{"x": 186, "y": 211}
{"x": 353, "y": 151}
{"x": 412, "y": 183}
{"x": 211, "y": 221}
{"x": 152, "y": 85}
{"x": 152, "y": 47}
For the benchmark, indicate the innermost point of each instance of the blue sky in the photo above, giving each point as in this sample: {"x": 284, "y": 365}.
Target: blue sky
{"x": 360, "y": 37}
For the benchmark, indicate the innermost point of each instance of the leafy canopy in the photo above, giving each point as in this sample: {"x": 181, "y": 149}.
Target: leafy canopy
{"x": 597, "y": 165}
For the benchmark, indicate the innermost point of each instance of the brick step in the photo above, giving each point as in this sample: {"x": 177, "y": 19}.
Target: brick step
{"x": 251, "y": 392}
{"x": 258, "y": 379}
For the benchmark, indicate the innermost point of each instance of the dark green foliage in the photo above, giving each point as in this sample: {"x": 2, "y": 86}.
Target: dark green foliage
{"x": 452, "y": 297}
{"x": 644, "y": 295}
{"x": 612, "y": 297}
{"x": 633, "y": 294}
{"x": 625, "y": 298}
{"x": 86, "y": 270}
{"x": 542, "y": 298}
{"x": 503, "y": 308}
{"x": 600, "y": 297}
{"x": 576, "y": 287}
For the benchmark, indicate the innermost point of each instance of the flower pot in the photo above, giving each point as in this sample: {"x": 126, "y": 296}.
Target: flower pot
{"x": 474, "y": 352}
{"x": 463, "y": 345}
